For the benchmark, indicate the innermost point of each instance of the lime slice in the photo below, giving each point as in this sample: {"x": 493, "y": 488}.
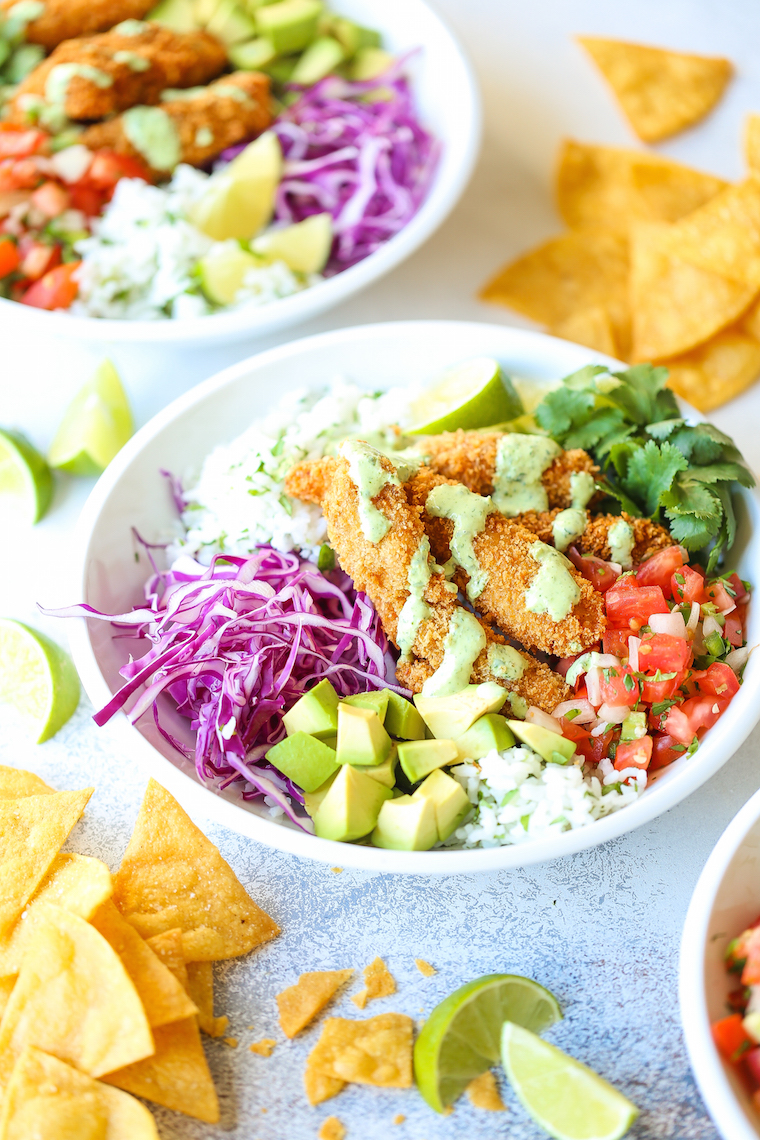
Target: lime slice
{"x": 37, "y": 677}
{"x": 304, "y": 247}
{"x": 240, "y": 199}
{"x": 473, "y": 395}
{"x": 97, "y": 424}
{"x": 462, "y": 1036}
{"x": 565, "y": 1097}
{"x": 26, "y": 482}
{"x": 223, "y": 270}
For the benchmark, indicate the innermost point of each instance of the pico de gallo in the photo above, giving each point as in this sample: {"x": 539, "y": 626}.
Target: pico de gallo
{"x": 737, "y": 1036}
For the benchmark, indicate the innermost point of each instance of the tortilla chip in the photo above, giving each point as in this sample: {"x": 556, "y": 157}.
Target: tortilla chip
{"x": 176, "y": 1076}
{"x": 723, "y": 236}
{"x": 300, "y": 1004}
{"x": 73, "y": 998}
{"x": 265, "y": 1047}
{"x": 668, "y": 191}
{"x": 483, "y": 1092}
{"x": 15, "y": 783}
{"x": 200, "y": 986}
{"x": 168, "y": 947}
{"x": 752, "y": 142}
{"x": 378, "y": 982}
{"x": 32, "y": 831}
{"x": 318, "y": 1087}
{"x": 750, "y": 322}
{"x": 47, "y": 1098}
{"x": 6, "y": 989}
{"x": 163, "y": 998}
{"x": 717, "y": 371}
{"x": 591, "y": 327}
{"x": 373, "y": 1052}
{"x": 425, "y": 968}
{"x": 676, "y": 305}
{"x": 660, "y": 92}
{"x": 172, "y": 875}
{"x": 332, "y": 1129}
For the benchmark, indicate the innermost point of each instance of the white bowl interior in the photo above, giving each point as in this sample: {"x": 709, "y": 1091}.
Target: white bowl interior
{"x": 133, "y": 494}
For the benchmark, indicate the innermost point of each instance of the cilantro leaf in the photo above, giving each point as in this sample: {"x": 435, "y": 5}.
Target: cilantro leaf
{"x": 650, "y": 473}
{"x": 664, "y": 428}
{"x": 691, "y": 532}
{"x": 723, "y": 472}
{"x": 563, "y": 409}
{"x": 640, "y": 395}
{"x": 689, "y": 497}
{"x": 601, "y": 423}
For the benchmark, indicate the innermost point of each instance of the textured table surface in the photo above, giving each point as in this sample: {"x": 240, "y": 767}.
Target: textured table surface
{"x": 602, "y": 928}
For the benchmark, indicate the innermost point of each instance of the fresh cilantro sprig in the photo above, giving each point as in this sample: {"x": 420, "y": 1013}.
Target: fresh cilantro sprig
{"x": 653, "y": 462}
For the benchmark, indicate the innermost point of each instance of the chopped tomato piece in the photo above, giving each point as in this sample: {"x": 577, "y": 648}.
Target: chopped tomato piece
{"x": 595, "y": 748}
{"x": 18, "y": 143}
{"x": 653, "y": 691}
{"x": 690, "y": 684}
{"x": 19, "y": 174}
{"x": 634, "y": 754}
{"x": 684, "y": 721}
{"x": 573, "y": 731}
{"x": 39, "y": 259}
{"x": 618, "y": 686}
{"x": 564, "y": 663}
{"x": 720, "y": 681}
{"x": 734, "y": 582}
{"x": 598, "y": 572}
{"x": 718, "y": 594}
{"x": 615, "y": 641}
{"x": 86, "y": 198}
{"x": 752, "y": 1062}
{"x": 751, "y": 971}
{"x": 633, "y": 607}
{"x": 660, "y": 568}
{"x": 10, "y": 257}
{"x": 665, "y": 749}
{"x": 730, "y": 1038}
{"x": 56, "y": 290}
{"x": 51, "y": 199}
{"x": 687, "y": 586}
{"x": 107, "y": 168}
{"x": 733, "y": 630}
{"x": 665, "y": 652}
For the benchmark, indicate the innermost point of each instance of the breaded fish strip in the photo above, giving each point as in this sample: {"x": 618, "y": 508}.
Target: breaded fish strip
{"x": 119, "y": 71}
{"x": 503, "y": 553}
{"x": 381, "y": 571}
{"x": 66, "y": 19}
{"x": 648, "y": 536}
{"x": 206, "y": 121}
{"x": 469, "y": 457}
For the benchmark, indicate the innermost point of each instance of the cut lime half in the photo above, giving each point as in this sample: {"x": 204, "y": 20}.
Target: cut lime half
{"x": 473, "y": 395}
{"x": 462, "y": 1036}
{"x": 240, "y": 199}
{"x": 97, "y": 424}
{"x": 222, "y": 271}
{"x": 563, "y": 1096}
{"x": 26, "y": 482}
{"x": 304, "y": 247}
{"x": 37, "y": 677}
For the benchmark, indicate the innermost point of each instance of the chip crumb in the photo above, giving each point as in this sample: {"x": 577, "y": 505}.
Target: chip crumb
{"x": 337, "y": 870}
{"x": 231, "y": 1041}
{"x": 483, "y": 1092}
{"x": 399, "y": 1118}
{"x": 264, "y": 1111}
{"x": 378, "y": 982}
{"x": 425, "y": 968}
{"x": 263, "y": 1048}
{"x": 332, "y": 1129}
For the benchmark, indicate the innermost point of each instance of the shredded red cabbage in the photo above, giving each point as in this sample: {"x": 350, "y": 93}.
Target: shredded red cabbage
{"x": 235, "y": 644}
{"x": 359, "y": 152}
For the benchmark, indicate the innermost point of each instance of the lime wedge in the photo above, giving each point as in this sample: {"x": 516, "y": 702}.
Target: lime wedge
{"x": 462, "y": 1036}
{"x": 304, "y": 247}
{"x": 240, "y": 199}
{"x": 37, "y": 677}
{"x": 472, "y": 395}
{"x": 97, "y": 424}
{"x": 26, "y": 482}
{"x": 565, "y": 1097}
{"x": 223, "y": 270}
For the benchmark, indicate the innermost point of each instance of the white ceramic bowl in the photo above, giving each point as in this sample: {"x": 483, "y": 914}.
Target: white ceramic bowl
{"x": 132, "y": 493}
{"x": 726, "y": 900}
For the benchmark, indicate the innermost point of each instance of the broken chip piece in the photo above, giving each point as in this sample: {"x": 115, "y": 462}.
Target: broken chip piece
{"x": 425, "y": 968}
{"x": 15, "y": 783}
{"x": 319, "y": 1087}
{"x": 716, "y": 371}
{"x": 263, "y": 1048}
{"x": 200, "y": 986}
{"x": 332, "y": 1129}
{"x": 483, "y": 1092}
{"x": 376, "y": 1052}
{"x": 299, "y": 1004}
{"x": 378, "y": 982}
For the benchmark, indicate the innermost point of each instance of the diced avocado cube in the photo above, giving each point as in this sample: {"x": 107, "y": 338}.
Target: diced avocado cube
{"x": 305, "y": 760}
{"x": 281, "y": 70}
{"x": 204, "y": 10}
{"x": 353, "y": 37}
{"x": 418, "y": 758}
{"x": 351, "y": 806}
{"x": 402, "y": 718}
{"x": 406, "y": 824}
{"x": 450, "y": 800}
{"x": 369, "y": 63}
{"x": 321, "y": 57}
{"x": 316, "y": 712}
{"x": 489, "y": 732}
{"x": 312, "y": 800}
{"x": 450, "y": 717}
{"x": 542, "y": 741}
{"x": 291, "y": 25}
{"x": 231, "y": 24}
{"x": 377, "y": 701}
{"x": 385, "y": 773}
{"x": 179, "y": 15}
{"x": 252, "y": 55}
{"x": 362, "y": 739}
{"x": 634, "y": 727}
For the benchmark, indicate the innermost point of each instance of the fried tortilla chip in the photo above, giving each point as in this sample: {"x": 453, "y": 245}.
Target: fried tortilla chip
{"x": 6, "y": 988}
{"x": 168, "y": 947}
{"x": 660, "y": 92}
{"x": 717, "y": 371}
{"x": 73, "y": 998}
{"x": 177, "y": 1076}
{"x": 373, "y": 1052}
{"x": 32, "y": 831}
{"x": 483, "y": 1092}
{"x": 15, "y": 783}
{"x": 48, "y": 1099}
{"x": 300, "y": 1004}
{"x": 200, "y": 986}
{"x": 318, "y": 1087}
{"x": 332, "y": 1129}
{"x": 750, "y": 322}
{"x": 163, "y": 998}
{"x": 591, "y": 327}
{"x": 723, "y": 236}
{"x": 172, "y": 875}
{"x": 676, "y": 305}
{"x": 752, "y": 142}
{"x": 378, "y": 982}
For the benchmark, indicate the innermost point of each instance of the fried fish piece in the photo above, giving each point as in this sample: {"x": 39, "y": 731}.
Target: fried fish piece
{"x": 648, "y": 537}
{"x": 62, "y": 20}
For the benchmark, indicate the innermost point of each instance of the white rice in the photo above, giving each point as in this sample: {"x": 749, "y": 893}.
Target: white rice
{"x": 518, "y": 798}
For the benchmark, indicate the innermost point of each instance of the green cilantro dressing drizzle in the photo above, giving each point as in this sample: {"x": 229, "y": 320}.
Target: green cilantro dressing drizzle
{"x": 415, "y": 610}
{"x": 568, "y": 526}
{"x": 59, "y": 78}
{"x": 520, "y": 462}
{"x": 468, "y": 512}
{"x": 153, "y": 133}
{"x": 505, "y": 662}
{"x": 133, "y": 61}
{"x": 131, "y": 28}
{"x": 553, "y": 590}
{"x": 204, "y": 136}
{"x": 621, "y": 539}
{"x": 582, "y": 487}
{"x": 464, "y": 641}
{"x": 369, "y": 477}
{"x": 231, "y": 91}
{"x": 20, "y": 16}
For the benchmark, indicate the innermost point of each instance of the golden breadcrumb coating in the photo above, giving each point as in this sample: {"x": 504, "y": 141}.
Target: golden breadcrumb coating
{"x": 66, "y": 19}
{"x": 648, "y": 536}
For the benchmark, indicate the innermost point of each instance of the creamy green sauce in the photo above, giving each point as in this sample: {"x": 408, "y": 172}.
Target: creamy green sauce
{"x": 505, "y": 662}
{"x": 520, "y": 462}
{"x": 22, "y": 14}
{"x": 582, "y": 487}
{"x": 464, "y": 641}
{"x": 204, "y": 136}
{"x": 553, "y": 591}
{"x": 131, "y": 28}
{"x": 171, "y": 94}
{"x": 468, "y": 512}
{"x": 621, "y": 539}
{"x": 59, "y": 78}
{"x": 369, "y": 477}
{"x": 152, "y": 132}
{"x": 231, "y": 91}
{"x": 518, "y": 705}
{"x": 415, "y": 610}
{"x": 133, "y": 61}
{"x": 568, "y": 526}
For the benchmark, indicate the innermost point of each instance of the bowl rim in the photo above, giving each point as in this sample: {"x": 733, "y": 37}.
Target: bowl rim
{"x": 709, "y": 1068}
{"x": 737, "y": 722}
{"x": 454, "y": 171}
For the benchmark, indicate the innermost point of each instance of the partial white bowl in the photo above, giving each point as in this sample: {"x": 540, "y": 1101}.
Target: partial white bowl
{"x": 726, "y": 900}
{"x": 132, "y": 493}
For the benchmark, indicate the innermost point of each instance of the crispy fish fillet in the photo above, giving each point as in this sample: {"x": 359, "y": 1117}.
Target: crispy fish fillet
{"x": 66, "y": 19}
{"x": 207, "y": 121}
{"x": 119, "y": 71}
{"x": 469, "y": 457}
{"x": 503, "y": 552}
{"x": 648, "y": 536}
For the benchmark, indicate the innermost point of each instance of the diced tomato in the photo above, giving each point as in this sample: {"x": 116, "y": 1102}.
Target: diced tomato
{"x": 665, "y": 652}
{"x": 51, "y": 199}
{"x": 56, "y": 290}
{"x": 107, "y": 168}
{"x": 39, "y": 259}
{"x": 665, "y": 749}
{"x": 684, "y": 721}
{"x": 689, "y": 687}
{"x": 595, "y": 748}
{"x": 716, "y": 592}
{"x": 86, "y": 198}
{"x": 598, "y": 572}
{"x": 734, "y": 582}
{"x": 730, "y": 1038}
{"x": 733, "y": 630}
{"x": 618, "y": 686}
{"x": 653, "y": 691}
{"x": 690, "y": 588}
{"x": 19, "y": 174}
{"x": 9, "y": 257}
{"x": 18, "y": 143}
{"x": 720, "y": 681}
{"x": 634, "y": 754}
{"x": 751, "y": 971}
{"x": 615, "y": 641}
{"x": 752, "y": 1062}
{"x": 564, "y": 663}
{"x": 660, "y": 568}
{"x": 633, "y": 607}
{"x": 573, "y": 731}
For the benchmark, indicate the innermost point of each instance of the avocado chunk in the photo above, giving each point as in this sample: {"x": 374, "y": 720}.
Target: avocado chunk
{"x": 231, "y": 24}
{"x": 305, "y": 760}
{"x": 402, "y": 719}
{"x": 633, "y": 727}
{"x": 353, "y": 37}
{"x": 550, "y": 746}
{"x": 449, "y": 799}
{"x": 179, "y": 15}
{"x": 377, "y": 701}
{"x": 252, "y": 54}
{"x": 351, "y": 806}
{"x": 489, "y": 732}
{"x": 312, "y": 800}
{"x": 418, "y": 758}
{"x": 369, "y": 63}
{"x": 385, "y": 773}
{"x": 362, "y": 739}
{"x": 316, "y": 712}
{"x": 450, "y": 717}
{"x": 406, "y": 824}
{"x": 291, "y": 25}
{"x": 321, "y": 57}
